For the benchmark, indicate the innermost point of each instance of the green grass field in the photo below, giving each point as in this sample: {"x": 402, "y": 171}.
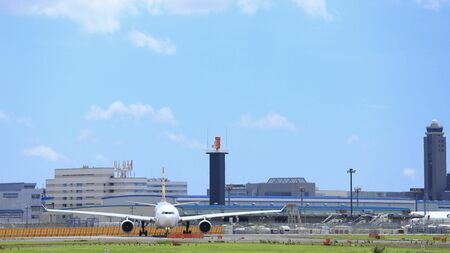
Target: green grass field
{"x": 396, "y": 237}
{"x": 203, "y": 247}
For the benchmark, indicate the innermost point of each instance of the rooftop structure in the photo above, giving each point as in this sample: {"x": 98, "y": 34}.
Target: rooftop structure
{"x": 286, "y": 180}
{"x": 294, "y": 186}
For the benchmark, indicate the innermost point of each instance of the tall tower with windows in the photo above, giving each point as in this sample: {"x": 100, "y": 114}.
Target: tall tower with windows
{"x": 435, "y": 163}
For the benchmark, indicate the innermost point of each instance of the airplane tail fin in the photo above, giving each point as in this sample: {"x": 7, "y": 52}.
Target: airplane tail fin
{"x": 163, "y": 187}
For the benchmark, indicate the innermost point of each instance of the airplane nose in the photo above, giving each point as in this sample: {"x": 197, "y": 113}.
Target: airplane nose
{"x": 166, "y": 222}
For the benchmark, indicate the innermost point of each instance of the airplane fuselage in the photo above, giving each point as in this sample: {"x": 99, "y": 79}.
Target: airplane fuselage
{"x": 166, "y": 215}
{"x": 441, "y": 216}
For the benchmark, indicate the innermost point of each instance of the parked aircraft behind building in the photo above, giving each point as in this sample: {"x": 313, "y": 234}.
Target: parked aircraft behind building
{"x": 432, "y": 216}
{"x": 166, "y": 215}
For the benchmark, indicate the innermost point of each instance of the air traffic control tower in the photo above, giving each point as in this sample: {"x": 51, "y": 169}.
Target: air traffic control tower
{"x": 216, "y": 174}
{"x": 435, "y": 162}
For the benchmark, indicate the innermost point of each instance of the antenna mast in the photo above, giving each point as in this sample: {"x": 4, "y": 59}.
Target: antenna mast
{"x": 163, "y": 186}
{"x": 125, "y": 169}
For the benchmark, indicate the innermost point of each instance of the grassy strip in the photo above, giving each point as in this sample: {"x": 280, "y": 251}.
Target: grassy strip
{"x": 396, "y": 237}
{"x": 208, "y": 247}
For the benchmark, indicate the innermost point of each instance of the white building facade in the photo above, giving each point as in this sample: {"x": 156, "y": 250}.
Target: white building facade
{"x": 20, "y": 203}
{"x": 87, "y": 186}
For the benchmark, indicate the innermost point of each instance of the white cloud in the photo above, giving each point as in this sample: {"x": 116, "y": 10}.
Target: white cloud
{"x": 183, "y": 141}
{"x": 104, "y": 16}
{"x": 43, "y": 152}
{"x": 100, "y": 16}
{"x": 432, "y": 4}
{"x": 352, "y": 139}
{"x": 252, "y": 6}
{"x": 314, "y": 8}
{"x": 94, "y": 16}
{"x": 134, "y": 111}
{"x": 3, "y": 116}
{"x": 271, "y": 120}
{"x": 186, "y": 7}
{"x": 25, "y": 121}
{"x": 86, "y": 135}
{"x": 165, "y": 115}
{"x": 160, "y": 46}
{"x": 409, "y": 173}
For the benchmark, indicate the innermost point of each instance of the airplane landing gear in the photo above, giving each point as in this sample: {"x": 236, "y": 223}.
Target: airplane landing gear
{"x": 167, "y": 231}
{"x": 143, "y": 231}
{"x": 187, "y": 230}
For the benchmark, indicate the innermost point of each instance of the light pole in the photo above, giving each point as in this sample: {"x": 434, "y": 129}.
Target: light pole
{"x": 416, "y": 195}
{"x": 26, "y": 217}
{"x": 229, "y": 188}
{"x": 351, "y": 172}
{"x": 425, "y": 198}
{"x": 357, "y": 191}
{"x": 415, "y": 203}
{"x": 302, "y": 191}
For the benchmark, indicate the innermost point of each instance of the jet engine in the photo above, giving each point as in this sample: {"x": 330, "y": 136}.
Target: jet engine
{"x": 204, "y": 226}
{"x": 126, "y": 226}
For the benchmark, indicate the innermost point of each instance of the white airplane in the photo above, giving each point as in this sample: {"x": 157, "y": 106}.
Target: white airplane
{"x": 439, "y": 216}
{"x": 166, "y": 215}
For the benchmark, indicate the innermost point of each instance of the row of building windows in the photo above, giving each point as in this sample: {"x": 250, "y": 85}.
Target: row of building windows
{"x": 14, "y": 195}
{"x": 117, "y": 183}
{"x": 10, "y": 195}
{"x": 78, "y": 204}
{"x": 67, "y": 205}
{"x": 73, "y": 184}
{"x": 78, "y": 198}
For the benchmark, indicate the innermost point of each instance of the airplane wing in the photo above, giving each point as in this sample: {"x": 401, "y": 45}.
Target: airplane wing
{"x": 217, "y": 215}
{"x": 185, "y": 203}
{"x": 416, "y": 215}
{"x": 141, "y": 203}
{"x": 116, "y": 215}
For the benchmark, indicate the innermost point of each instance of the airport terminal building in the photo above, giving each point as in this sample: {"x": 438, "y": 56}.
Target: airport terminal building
{"x": 20, "y": 203}
{"x": 110, "y": 188}
{"x": 310, "y": 206}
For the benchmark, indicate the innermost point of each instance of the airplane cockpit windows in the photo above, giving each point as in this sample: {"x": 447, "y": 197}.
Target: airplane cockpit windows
{"x": 168, "y": 213}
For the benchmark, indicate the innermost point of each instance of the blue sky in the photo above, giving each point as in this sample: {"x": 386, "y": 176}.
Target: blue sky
{"x": 301, "y": 87}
